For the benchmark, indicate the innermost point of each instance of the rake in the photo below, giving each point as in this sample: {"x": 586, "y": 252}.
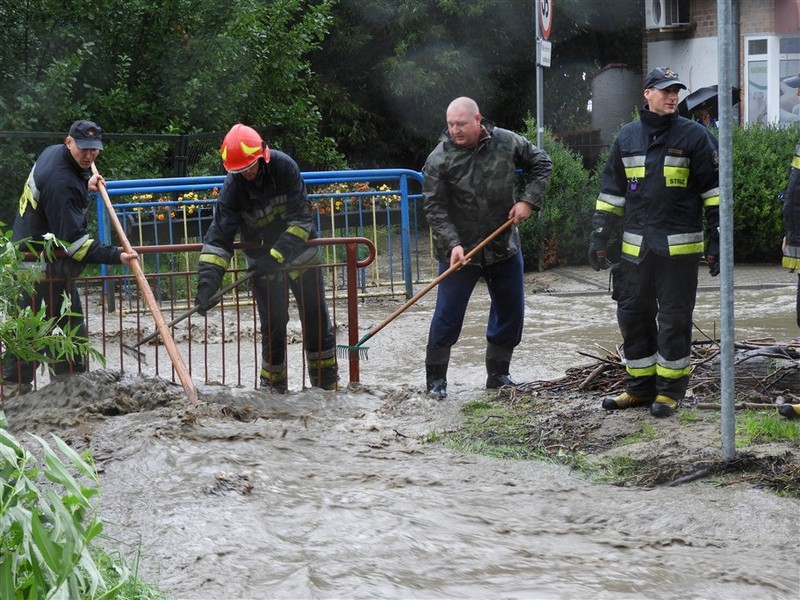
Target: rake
{"x": 346, "y": 351}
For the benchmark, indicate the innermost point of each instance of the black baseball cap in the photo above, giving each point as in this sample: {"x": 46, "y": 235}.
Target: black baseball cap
{"x": 88, "y": 135}
{"x": 661, "y": 78}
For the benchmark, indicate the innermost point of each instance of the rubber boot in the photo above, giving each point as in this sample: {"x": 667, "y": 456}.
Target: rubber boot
{"x": 436, "y": 361}
{"x": 664, "y": 406}
{"x": 790, "y": 411}
{"x": 325, "y": 378}
{"x": 274, "y": 382}
{"x": 498, "y": 376}
{"x": 436, "y": 381}
{"x": 626, "y": 400}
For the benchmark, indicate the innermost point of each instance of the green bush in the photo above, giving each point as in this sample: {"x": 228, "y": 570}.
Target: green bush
{"x": 560, "y": 234}
{"x": 49, "y": 531}
{"x": 761, "y": 159}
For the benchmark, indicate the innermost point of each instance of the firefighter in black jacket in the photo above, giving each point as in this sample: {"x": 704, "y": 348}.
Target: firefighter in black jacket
{"x": 791, "y": 244}
{"x": 54, "y": 201}
{"x": 661, "y": 176}
{"x": 263, "y": 199}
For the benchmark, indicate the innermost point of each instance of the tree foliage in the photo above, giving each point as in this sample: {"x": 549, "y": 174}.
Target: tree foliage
{"x": 166, "y": 66}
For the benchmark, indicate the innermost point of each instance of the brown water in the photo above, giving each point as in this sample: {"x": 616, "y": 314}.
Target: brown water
{"x": 340, "y": 495}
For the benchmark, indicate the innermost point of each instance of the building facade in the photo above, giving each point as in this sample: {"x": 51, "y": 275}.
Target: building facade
{"x": 765, "y": 38}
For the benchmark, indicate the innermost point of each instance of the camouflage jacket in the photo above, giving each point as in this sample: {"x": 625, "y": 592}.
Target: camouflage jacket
{"x": 468, "y": 192}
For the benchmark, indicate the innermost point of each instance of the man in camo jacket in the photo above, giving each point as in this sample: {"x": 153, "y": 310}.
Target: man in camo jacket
{"x": 468, "y": 193}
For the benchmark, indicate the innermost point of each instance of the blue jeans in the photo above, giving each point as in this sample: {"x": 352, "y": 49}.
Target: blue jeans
{"x": 504, "y": 280}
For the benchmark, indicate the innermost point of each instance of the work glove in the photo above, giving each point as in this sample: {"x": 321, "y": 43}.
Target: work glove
{"x": 207, "y": 286}
{"x": 597, "y": 254}
{"x": 712, "y": 256}
{"x": 266, "y": 265}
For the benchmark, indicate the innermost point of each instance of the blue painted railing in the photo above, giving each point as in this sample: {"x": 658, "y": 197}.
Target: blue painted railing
{"x": 345, "y": 201}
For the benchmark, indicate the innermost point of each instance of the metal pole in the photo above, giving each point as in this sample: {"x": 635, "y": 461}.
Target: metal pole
{"x": 726, "y": 227}
{"x": 539, "y": 78}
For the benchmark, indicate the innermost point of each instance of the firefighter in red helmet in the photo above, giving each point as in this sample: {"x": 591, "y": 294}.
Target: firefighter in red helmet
{"x": 264, "y": 201}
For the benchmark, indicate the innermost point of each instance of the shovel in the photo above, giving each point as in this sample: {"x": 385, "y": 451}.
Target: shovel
{"x": 216, "y": 297}
{"x": 345, "y": 351}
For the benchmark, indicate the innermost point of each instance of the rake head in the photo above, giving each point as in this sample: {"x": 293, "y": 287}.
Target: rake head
{"x": 347, "y": 351}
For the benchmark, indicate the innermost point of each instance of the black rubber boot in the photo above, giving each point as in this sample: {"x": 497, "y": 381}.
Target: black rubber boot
{"x": 325, "y": 378}
{"x": 498, "y": 376}
{"x": 790, "y": 411}
{"x": 274, "y": 382}
{"x": 436, "y": 381}
{"x": 664, "y": 406}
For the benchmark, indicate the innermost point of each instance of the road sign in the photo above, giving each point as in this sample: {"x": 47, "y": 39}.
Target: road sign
{"x": 545, "y": 50}
{"x": 546, "y": 17}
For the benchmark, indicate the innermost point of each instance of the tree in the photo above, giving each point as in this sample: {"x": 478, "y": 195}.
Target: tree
{"x": 389, "y": 69}
{"x": 174, "y": 66}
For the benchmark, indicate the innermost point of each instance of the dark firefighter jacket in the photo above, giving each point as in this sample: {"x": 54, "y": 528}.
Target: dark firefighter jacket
{"x": 468, "y": 192}
{"x": 55, "y": 200}
{"x": 791, "y": 214}
{"x": 661, "y": 174}
{"x": 272, "y": 211}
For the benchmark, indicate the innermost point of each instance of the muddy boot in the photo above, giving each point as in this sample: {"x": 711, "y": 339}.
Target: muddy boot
{"x": 663, "y": 406}
{"x": 436, "y": 381}
{"x": 790, "y": 411}
{"x": 625, "y": 400}
{"x": 274, "y": 382}
{"x": 325, "y": 378}
{"x": 436, "y": 361}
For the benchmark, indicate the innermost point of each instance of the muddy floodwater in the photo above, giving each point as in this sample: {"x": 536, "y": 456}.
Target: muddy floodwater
{"x": 344, "y": 495}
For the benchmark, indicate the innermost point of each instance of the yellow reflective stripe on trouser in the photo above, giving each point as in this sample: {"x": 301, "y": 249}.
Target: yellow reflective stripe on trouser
{"x": 673, "y": 369}
{"x": 791, "y": 262}
{"x": 274, "y": 373}
{"x": 711, "y": 197}
{"x": 796, "y": 162}
{"x": 632, "y": 244}
{"x": 641, "y": 367}
{"x": 685, "y": 243}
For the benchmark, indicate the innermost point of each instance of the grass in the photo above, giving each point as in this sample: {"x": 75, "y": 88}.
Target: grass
{"x": 521, "y": 430}
{"x": 646, "y": 434}
{"x": 759, "y": 426}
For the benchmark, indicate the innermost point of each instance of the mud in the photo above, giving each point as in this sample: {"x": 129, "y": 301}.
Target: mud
{"x": 343, "y": 494}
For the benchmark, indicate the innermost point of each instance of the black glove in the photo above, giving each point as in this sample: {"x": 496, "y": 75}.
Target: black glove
{"x": 597, "y": 254}
{"x": 207, "y": 286}
{"x": 266, "y": 265}
{"x": 712, "y": 256}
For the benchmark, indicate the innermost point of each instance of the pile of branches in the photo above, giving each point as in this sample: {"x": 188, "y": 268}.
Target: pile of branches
{"x": 766, "y": 372}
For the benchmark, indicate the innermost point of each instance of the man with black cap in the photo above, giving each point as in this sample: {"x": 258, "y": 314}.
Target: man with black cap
{"x": 660, "y": 178}
{"x": 54, "y": 201}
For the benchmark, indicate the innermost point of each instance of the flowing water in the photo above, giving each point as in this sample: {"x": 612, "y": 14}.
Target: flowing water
{"x": 340, "y": 495}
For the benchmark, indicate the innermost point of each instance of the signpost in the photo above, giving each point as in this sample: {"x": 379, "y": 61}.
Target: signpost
{"x": 544, "y": 25}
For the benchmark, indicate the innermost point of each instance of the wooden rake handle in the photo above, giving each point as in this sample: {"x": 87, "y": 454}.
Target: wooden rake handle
{"x": 150, "y": 300}
{"x": 435, "y": 282}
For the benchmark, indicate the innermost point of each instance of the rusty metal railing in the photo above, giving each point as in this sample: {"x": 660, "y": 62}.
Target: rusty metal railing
{"x": 221, "y": 348}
